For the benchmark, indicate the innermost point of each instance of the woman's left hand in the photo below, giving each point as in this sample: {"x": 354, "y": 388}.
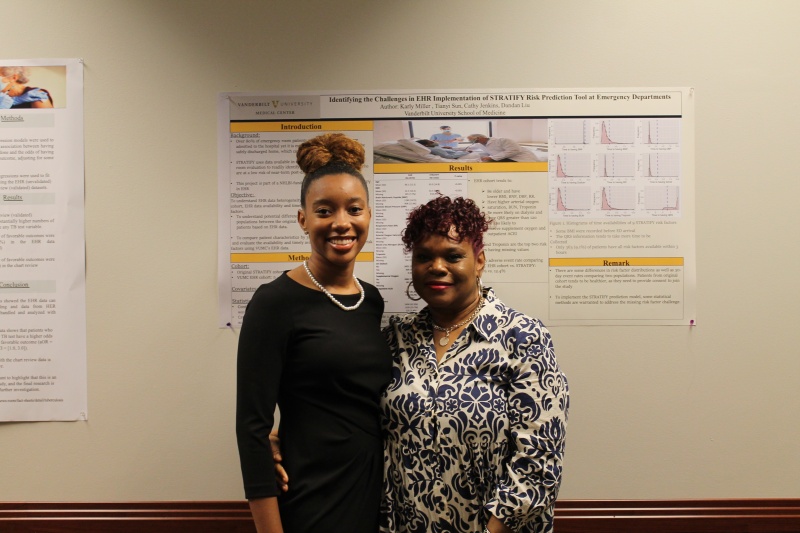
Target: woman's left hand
{"x": 280, "y": 472}
{"x": 496, "y": 526}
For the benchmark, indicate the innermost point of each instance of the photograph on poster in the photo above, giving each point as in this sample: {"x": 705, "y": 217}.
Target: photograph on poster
{"x": 33, "y": 87}
{"x": 489, "y": 140}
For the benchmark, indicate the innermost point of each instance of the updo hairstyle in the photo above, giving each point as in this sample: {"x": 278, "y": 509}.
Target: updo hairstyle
{"x": 442, "y": 215}
{"x": 330, "y": 153}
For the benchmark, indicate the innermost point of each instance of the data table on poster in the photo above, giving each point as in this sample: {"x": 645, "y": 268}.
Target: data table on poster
{"x": 395, "y": 196}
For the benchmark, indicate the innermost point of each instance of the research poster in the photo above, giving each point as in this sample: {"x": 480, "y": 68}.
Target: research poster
{"x": 42, "y": 265}
{"x": 591, "y": 192}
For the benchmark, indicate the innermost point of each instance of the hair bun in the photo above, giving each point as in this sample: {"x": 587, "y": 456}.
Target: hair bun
{"x": 329, "y": 147}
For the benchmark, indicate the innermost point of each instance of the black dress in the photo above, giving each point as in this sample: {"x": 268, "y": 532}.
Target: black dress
{"x": 325, "y": 368}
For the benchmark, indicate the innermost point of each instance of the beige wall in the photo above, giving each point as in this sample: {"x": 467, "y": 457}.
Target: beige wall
{"x": 657, "y": 412}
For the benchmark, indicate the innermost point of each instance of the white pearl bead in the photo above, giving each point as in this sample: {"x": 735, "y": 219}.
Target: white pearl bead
{"x": 330, "y": 296}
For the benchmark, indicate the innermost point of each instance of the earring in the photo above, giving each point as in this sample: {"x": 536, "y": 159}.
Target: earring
{"x": 408, "y": 293}
{"x": 480, "y": 285}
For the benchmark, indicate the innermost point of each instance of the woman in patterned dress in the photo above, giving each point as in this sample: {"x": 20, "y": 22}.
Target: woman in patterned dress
{"x": 475, "y": 415}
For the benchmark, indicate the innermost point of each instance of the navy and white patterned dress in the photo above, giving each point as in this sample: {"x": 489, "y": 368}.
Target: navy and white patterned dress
{"x": 479, "y": 433}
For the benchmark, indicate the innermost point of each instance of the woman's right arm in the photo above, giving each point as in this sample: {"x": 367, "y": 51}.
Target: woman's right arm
{"x": 262, "y": 345}
{"x": 266, "y": 516}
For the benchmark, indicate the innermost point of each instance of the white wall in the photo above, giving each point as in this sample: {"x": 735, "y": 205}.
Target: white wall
{"x": 657, "y": 412}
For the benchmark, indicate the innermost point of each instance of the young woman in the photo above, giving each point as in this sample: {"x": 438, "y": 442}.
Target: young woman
{"x": 311, "y": 343}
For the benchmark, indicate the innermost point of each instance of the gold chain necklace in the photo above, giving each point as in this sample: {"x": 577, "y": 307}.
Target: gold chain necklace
{"x": 446, "y": 339}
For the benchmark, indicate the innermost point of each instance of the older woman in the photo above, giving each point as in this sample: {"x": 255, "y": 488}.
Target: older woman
{"x": 15, "y": 94}
{"x": 475, "y": 415}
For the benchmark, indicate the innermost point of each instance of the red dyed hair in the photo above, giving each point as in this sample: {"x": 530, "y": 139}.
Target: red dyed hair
{"x": 442, "y": 214}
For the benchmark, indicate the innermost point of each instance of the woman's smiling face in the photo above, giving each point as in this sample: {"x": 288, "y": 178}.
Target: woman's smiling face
{"x": 336, "y": 216}
{"x": 445, "y": 272}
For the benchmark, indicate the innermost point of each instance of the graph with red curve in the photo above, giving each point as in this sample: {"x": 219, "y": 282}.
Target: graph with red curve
{"x": 571, "y": 132}
{"x": 573, "y": 166}
{"x": 622, "y": 165}
{"x": 661, "y": 131}
{"x": 617, "y": 131}
{"x": 618, "y": 198}
{"x": 662, "y": 198}
{"x": 573, "y": 198}
{"x": 661, "y": 165}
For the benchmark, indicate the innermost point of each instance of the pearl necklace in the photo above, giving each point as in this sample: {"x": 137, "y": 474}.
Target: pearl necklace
{"x": 446, "y": 339}
{"x": 330, "y": 296}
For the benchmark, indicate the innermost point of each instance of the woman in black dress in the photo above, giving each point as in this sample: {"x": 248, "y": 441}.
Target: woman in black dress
{"x": 311, "y": 343}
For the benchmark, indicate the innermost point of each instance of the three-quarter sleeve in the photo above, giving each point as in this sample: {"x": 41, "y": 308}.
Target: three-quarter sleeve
{"x": 538, "y": 401}
{"x": 262, "y": 348}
